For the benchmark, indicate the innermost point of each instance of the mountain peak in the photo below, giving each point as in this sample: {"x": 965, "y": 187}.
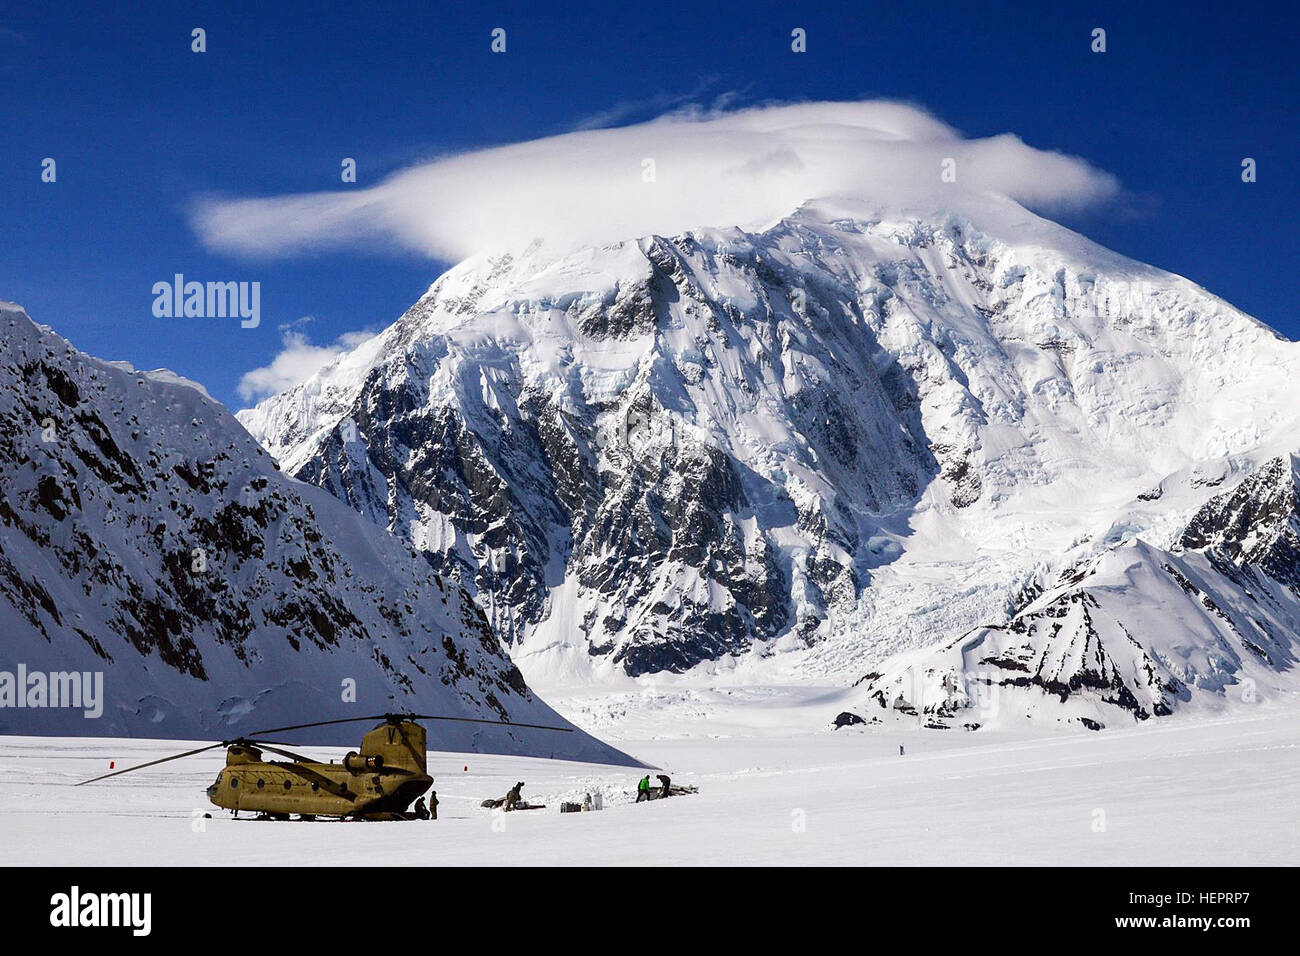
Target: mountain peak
{"x": 798, "y": 449}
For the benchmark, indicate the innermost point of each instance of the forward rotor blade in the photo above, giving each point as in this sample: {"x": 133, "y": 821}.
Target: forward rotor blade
{"x": 151, "y": 763}
{"x": 260, "y": 745}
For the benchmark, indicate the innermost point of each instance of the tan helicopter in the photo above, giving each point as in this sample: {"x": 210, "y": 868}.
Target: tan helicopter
{"x": 377, "y": 783}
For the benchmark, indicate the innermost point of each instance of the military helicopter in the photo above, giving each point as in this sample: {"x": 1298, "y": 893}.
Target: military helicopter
{"x": 376, "y": 783}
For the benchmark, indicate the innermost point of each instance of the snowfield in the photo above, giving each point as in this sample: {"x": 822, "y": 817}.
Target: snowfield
{"x": 1183, "y": 792}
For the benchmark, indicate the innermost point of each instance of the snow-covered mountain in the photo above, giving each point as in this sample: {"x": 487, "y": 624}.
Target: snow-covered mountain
{"x": 1138, "y": 632}
{"x": 799, "y": 451}
{"x": 146, "y": 536}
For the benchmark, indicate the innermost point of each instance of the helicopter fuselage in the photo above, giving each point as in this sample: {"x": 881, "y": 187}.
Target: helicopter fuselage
{"x": 380, "y": 781}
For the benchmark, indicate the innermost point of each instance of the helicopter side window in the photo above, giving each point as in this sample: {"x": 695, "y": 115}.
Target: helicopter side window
{"x": 234, "y": 781}
{"x": 260, "y": 783}
{"x": 315, "y": 785}
{"x": 288, "y": 784}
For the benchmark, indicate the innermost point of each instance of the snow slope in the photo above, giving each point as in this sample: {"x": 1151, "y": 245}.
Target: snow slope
{"x": 793, "y": 453}
{"x": 145, "y": 535}
{"x": 1137, "y": 632}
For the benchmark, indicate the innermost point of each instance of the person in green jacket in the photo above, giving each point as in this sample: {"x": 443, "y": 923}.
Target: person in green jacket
{"x": 643, "y": 789}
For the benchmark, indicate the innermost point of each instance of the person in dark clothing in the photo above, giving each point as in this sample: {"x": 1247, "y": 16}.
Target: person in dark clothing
{"x": 433, "y": 804}
{"x": 514, "y": 797}
{"x": 420, "y": 812}
{"x": 664, "y": 784}
{"x": 643, "y": 789}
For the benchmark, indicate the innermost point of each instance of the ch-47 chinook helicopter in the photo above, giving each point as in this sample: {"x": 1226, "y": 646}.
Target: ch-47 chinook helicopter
{"x": 377, "y": 783}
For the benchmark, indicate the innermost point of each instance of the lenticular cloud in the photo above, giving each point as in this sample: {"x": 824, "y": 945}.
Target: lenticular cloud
{"x": 681, "y": 171}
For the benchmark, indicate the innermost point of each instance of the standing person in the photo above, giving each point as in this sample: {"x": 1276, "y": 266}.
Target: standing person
{"x": 900, "y": 750}
{"x": 433, "y": 804}
{"x": 643, "y": 789}
{"x": 664, "y": 783}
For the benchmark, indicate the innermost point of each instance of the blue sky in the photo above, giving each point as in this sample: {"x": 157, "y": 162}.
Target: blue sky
{"x": 140, "y": 126}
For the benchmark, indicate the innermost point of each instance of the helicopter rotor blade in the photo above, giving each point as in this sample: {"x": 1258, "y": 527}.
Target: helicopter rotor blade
{"x": 480, "y": 720}
{"x": 151, "y": 763}
{"x": 262, "y": 745}
{"x": 470, "y": 720}
{"x": 320, "y": 723}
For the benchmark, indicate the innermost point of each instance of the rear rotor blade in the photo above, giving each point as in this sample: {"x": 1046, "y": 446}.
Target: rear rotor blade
{"x": 480, "y": 720}
{"x": 319, "y": 723}
{"x": 468, "y": 720}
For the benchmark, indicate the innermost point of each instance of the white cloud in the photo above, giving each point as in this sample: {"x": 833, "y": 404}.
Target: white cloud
{"x": 298, "y": 361}
{"x": 713, "y": 168}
